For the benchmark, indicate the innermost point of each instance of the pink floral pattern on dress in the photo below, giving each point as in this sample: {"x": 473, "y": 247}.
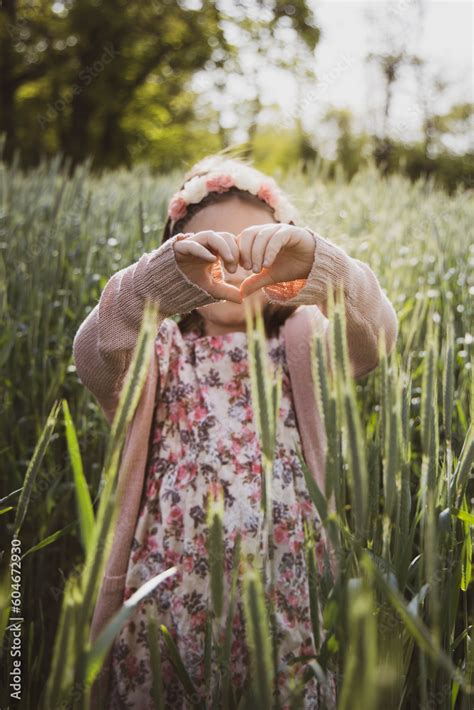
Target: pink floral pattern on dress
{"x": 204, "y": 435}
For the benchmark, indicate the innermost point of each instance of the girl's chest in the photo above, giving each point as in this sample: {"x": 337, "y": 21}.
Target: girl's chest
{"x": 208, "y": 388}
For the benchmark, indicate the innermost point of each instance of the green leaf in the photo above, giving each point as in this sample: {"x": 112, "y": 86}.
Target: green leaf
{"x": 258, "y": 634}
{"x": 465, "y": 516}
{"x": 84, "y": 502}
{"x": 215, "y": 548}
{"x": 155, "y": 662}
{"x": 466, "y": 552}
{"x": 183, "y": 675}
{"x": 34, "y": 466}
{"x": 416, "y": 628}
{"x": 50, "y": 539}
{"x": 96, "y": 655}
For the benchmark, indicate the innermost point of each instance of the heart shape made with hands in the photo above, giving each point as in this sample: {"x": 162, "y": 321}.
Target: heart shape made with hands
{"x": 277, "y": 253}
{"x": 248, "y": 285}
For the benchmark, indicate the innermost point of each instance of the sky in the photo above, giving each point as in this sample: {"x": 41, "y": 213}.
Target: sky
{"x": 445, "y": 42}
{"x": 443, "y": 37}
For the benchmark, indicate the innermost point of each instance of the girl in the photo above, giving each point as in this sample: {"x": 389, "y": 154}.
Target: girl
{"x": 241, "y": 241}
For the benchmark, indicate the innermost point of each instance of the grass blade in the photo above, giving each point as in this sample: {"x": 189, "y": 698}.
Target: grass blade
{"x": 258, "y": 633}
{"x": 34, "y": 465}
{"x": 83, "y": 499}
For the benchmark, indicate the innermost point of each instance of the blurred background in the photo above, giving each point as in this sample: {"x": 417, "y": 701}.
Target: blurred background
{"x": 125, "y": 81}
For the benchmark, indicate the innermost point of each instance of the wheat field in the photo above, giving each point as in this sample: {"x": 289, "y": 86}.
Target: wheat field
{"x": 398, "y": 617}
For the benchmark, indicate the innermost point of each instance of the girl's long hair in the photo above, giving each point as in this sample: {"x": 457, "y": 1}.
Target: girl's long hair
{"x": 274, "y": 314}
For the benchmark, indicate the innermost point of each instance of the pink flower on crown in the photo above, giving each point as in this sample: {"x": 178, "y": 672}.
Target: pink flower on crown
{"x": 268, "y": 194}
{"x": 220, "y": 183}
{"x": 177, "y": 208}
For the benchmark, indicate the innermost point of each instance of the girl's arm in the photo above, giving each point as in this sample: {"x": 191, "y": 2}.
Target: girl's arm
{"x": 103, "y": 345}
{"x": 368, "y": 310}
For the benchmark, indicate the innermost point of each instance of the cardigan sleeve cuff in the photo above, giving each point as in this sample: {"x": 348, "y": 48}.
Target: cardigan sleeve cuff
{"x": 368, "y": 309}
{"x": 159, "y": 277}
{"x": 331, "y": 265}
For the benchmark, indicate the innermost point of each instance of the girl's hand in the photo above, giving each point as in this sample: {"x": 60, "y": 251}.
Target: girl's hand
{"x": 197, "y": 255}
{"x": 276, "y": 252}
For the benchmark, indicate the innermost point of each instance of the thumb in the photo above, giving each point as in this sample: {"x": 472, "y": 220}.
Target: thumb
{"x": 220, "y": 289}
{"x": 254, "y": 282}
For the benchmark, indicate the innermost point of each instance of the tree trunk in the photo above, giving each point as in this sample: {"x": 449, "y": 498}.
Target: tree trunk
{"x": 7, "y": 79}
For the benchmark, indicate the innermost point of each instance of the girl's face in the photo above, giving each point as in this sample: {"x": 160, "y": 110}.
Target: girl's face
{"x": 230, "y": 215}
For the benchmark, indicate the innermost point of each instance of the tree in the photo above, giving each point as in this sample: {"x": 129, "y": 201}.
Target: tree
{"x": 69, "y": 73}
{"x": 280, "y": 36}
{"x": 111, "y": 78}
{"x": 352, "y": 149}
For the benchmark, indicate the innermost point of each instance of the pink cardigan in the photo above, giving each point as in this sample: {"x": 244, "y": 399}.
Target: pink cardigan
{"x": 103, "y": 347}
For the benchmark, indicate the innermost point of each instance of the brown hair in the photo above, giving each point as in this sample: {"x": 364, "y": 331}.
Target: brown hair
{"x": 274, "y": 314}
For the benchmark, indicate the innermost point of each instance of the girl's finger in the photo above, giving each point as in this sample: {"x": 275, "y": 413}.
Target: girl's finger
{"x": 273, "y": 248}
{"x": 191, "y": 247}
{"x": 264, "y": 236}
{"x": 220, "y": 289}
{"x": 255, "y": 282}
{"x": 231, "y": 241}
{"x": 217, "y": 244}
{"x": 246, "y": 239}
{"x": 244, "y": 242}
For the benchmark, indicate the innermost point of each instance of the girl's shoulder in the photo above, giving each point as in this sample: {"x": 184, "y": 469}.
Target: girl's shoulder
{"x": 169, "y": 342}
{"x": 168, "y": 331}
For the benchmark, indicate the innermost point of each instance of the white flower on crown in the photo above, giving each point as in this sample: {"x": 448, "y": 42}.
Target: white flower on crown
{"x": 195, "y": 189}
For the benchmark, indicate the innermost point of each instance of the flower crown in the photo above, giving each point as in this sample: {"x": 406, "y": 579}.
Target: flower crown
{"x": 222, "y": 179}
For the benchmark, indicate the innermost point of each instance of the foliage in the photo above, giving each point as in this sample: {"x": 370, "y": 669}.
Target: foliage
{"x": 397, "y": 624}
{"x": 111, "y": 79}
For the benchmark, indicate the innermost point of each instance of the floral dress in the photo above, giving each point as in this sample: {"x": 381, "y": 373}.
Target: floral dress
{"x": 204, "y": 437}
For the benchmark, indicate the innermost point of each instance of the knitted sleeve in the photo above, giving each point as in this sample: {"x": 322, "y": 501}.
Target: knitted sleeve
{"x": 368, "y": 310}
{"x": 103, "y": 345}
